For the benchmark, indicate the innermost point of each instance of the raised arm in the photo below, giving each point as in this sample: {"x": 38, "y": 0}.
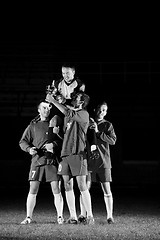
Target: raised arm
{"x": 60, "y": 106}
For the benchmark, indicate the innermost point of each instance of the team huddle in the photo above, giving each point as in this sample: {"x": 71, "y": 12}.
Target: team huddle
{"x": 65, "y": 143}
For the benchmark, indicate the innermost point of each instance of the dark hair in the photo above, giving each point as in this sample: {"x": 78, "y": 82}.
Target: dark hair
{"x": 69, "y": 65}
{"x": 99, "y": 105}
{"x": 84, "y": 97}
{"x": 37, "y": 118}
{"x": 40, "y": 101}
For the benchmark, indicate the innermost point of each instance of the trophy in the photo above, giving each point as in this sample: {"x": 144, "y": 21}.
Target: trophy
{"x": 51, "y": 89}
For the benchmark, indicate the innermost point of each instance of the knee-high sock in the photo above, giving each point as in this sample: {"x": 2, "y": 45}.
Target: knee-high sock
{"x": 82, "y": 207}
{"x": 58, "y": 202}
{"x": 31, "y": 202}
{"x": 108, "y": 199}
{"x": 86, "y": 198}
{"x": 70, "y": 198}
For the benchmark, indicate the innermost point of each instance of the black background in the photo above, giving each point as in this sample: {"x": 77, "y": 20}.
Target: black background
{"x": 123, "y": 70}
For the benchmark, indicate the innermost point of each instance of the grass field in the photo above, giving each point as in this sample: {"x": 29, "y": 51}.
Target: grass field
{"x": 137, "y": 216}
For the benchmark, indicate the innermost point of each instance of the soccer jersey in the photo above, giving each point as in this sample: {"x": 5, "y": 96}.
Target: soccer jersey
{"x": 105, "y": 137}
{"x": 67, "y": 89}
{"x": 36, "y": 135}
{"x": 75, "y": 129}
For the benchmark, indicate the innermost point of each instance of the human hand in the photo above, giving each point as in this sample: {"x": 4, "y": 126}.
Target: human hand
{"x": 91, "y": 120}
{"x": 94, "y": 126}
{"x": 60, "y": 99}
{"x": 49, "y": 146}
{"x": 49, "y": 98}
{"x": 56, "y": 130}
{"x": 32, "y": 151}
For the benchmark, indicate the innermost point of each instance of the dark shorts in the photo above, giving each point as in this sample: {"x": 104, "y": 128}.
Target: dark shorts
{"x": 73, "y": 165}
{"x": 101, "y": 175}
{"x": 47, "y": 173}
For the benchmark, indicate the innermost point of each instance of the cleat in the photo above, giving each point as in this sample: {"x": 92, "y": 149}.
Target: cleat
{"x": 72, "y": 221}
{"x": 90, "y": 220}
{"x": 60, "y": 220}
{"x": 110, "y": 220}
{"x": 82, "y": 219}
{"x": 27, "y": 220}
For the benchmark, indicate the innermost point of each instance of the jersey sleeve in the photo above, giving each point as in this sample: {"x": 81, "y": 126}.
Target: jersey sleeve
{"x": 25, "y": 142}
{"x": 108, "y": 134}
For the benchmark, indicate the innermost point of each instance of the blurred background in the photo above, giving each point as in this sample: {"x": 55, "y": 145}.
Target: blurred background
{"x": 126, "y": 78}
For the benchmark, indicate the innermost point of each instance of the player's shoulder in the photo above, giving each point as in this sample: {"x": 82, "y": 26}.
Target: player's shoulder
{"x": 57, "y": 82}
{"x": 79, "y": 81}
{"x": 83, "y": 112}
{"x": 32, "y": 124}
{"x": 35, "y": 120}
{"x": 106, "y": 122}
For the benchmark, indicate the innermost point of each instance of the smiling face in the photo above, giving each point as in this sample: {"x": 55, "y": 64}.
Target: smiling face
{"x": 68, "y": 74}
{"x": 44, "y": 110}
{"x": 101, "y": 111}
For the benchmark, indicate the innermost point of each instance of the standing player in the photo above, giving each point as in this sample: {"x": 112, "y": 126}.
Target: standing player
{"x": 74, "y": 163}
{"x": 100, "y": 167}
{"x": 35, "y": 141}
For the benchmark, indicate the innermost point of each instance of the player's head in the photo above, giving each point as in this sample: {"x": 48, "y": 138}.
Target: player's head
{"x": 44, "y": 109}
{"x": 82, "y": 99}
{"x": 68, "y": 72}
{"x": 101, "y": 110}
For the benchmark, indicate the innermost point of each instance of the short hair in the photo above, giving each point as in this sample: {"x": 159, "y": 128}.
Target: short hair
{"x": 99, "y": 105}
{"x": 84, "y": 97}
{"x": 40, "y": 101}
{"x": 69, "y": 65}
